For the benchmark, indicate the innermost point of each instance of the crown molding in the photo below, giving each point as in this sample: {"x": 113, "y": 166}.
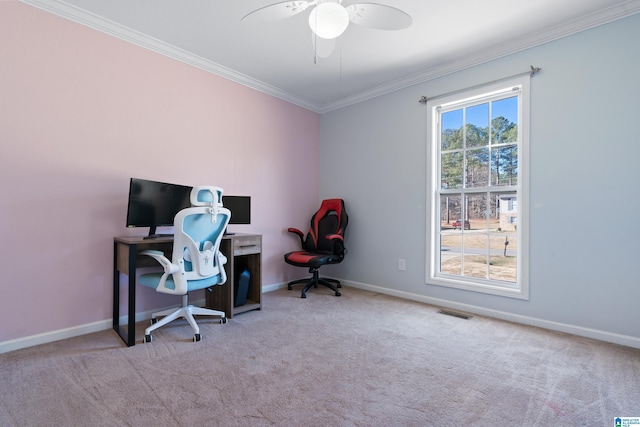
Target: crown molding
{"x": 80, "y": 16}
{"x": 75, "y": 14}
{"x": 628, "y": 8}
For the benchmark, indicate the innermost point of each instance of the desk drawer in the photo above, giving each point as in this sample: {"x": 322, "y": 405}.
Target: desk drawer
{"x": 244, "y": 245}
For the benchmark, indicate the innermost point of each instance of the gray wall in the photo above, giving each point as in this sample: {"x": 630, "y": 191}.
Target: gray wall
{"x": 584, "y": 224}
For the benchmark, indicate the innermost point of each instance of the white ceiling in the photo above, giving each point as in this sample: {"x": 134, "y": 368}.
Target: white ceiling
{"x": 278, "y": 58}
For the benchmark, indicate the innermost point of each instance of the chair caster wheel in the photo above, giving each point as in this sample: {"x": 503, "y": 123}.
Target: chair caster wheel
{"x": 146, "y": 339}
{"x": 154, "y": 320}
{"x": 338, "y": 285}
{"x": 303, "y": 296}
{"x": 289, "y": 287}
{"x": 197, "y": 338}
{"x": 338, "y": 294}
{"x": 223, "y": 320}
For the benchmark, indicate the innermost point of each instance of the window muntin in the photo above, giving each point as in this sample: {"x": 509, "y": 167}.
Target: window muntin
{"x": 477, "y": 189}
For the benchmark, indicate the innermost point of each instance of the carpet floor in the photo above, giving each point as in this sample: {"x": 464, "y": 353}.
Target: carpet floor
{"x": 362, "y": 359}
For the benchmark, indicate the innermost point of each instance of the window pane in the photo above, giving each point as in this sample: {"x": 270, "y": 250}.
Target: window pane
{"x": 450, "y": 209}
{"x": 504, "y": 208}
{"x": 476, "y": 211}
{"x": 478, "y": 125}
{"x": 503, "y": 265}
{"x": 451, "y": 256}
{"x": 450, "y": 240}
{"x": 475, "y": 241}
{"x": 504, "y": 120}
{"x": 451, "y": 173}
{"x": 451, "y": 135}
{"x": 503, "y": 236}
{"x": 477, "y": 172}
{"x": 504, "y": 165}
{"x": 475, "y": 255}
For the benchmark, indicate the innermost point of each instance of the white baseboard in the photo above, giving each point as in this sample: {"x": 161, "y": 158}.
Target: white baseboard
{"x": 274, "y": 287}
{"x": 102, "y": 325}
{"x": 61, "y": 334}
{"x": 47, "y": 337}
{"x": 596, "y": 334}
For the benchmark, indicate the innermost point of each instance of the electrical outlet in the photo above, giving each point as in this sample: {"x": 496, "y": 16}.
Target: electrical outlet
{"x": 402, "y": 264}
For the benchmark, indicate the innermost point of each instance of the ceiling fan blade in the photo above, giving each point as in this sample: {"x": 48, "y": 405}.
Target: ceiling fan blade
{"x": 285, "y": 9}
{"x": 378, "y": 16}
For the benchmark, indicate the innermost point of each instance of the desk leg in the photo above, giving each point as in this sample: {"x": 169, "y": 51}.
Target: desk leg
{"x": 131, "y": 329}
{"x": 128, "y": 336}
{"x": 116, "y": 290}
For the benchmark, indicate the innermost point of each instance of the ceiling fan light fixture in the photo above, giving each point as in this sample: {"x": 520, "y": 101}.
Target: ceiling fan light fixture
{"x": 329, "y": 20}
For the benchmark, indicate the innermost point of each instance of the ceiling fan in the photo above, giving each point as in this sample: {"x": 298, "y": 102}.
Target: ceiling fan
{"x": 329, "y": 18}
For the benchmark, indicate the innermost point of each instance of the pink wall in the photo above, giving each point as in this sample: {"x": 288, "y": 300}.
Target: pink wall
{"x": 80, "y": 113}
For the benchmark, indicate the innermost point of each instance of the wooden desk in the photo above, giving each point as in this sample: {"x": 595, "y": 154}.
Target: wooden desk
{"x": 243, "y": 251}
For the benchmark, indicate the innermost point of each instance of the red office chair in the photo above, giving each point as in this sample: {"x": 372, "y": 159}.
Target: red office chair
{"x": 323, "y": 245}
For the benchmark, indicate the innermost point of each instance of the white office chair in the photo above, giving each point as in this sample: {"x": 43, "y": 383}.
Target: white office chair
{"x": 196, "y": 262}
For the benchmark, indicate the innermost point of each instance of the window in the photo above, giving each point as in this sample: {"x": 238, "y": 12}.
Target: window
{"x": 478, "y": 189}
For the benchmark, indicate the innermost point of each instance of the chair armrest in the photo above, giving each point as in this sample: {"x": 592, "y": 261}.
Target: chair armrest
{"x": 298, "y": 233}
{"x": 166, "y": 264}
{"x": 295, "y": 231}
{"x": 338, "y": 244}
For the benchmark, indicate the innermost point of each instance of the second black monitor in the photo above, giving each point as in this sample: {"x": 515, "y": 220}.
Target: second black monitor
{"x": 240, "y": 207}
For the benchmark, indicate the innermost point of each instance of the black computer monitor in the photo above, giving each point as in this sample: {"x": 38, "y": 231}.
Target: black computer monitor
{"x": 154, "y": 204}
{"x": 240, "y": 207}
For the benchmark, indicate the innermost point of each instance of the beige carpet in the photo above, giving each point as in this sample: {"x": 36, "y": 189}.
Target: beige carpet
{"x": 362, "y": 359}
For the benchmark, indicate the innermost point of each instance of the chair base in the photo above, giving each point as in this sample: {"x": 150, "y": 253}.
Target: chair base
{"x": 186, "y": 311}
{"x": 315, "y": 281}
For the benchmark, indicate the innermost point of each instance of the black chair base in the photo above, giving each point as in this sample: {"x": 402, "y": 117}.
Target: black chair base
{"x": 315, "y": 281}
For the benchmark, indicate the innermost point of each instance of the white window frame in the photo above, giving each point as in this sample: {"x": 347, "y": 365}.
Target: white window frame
{"x": 519, "y": 289}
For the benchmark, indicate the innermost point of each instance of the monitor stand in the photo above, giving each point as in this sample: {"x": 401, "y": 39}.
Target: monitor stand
{"x": 153, "y": 235}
